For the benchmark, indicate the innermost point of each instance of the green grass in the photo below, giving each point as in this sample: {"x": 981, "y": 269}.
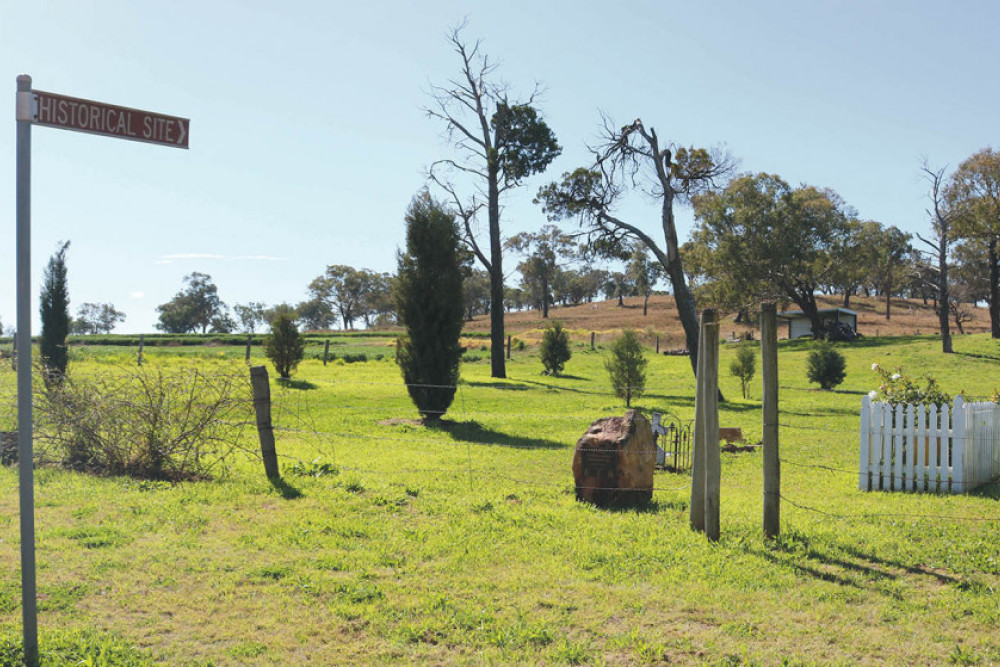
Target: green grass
{"x": 393, "y": 543}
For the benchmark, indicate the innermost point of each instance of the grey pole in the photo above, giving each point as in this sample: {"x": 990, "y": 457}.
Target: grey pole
{"x": 25, "y": 455}
{"x": 769, "y": 414}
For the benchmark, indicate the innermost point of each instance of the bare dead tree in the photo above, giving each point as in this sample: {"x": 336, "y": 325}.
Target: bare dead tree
{"x": 942, "y": 220}
{"x": 632, "y": 158}
{"x": 499, "y": 142}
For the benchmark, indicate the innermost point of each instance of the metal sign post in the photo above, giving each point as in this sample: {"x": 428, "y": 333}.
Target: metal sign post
{"x": 25, "y": 455}
{"x": 67, "y": 113}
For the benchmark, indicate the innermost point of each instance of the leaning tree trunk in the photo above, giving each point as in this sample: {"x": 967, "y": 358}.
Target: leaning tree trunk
{"x": 687, "y": 310}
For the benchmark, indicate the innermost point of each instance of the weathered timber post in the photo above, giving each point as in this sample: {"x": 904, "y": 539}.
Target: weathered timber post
{"x": 706, "y": 421}
{"x": 713, "y": 463}
{"x": 591, "y": 341}
{"x": 326, "y": 351}
{"x": 772, "y": 462}
{"x": 262, "y": 408}
{"x": 657, "y": 343}
{"x": 142, "y": 343}
{"x": 247, "y": 355}
{"x": 508, "y": 348}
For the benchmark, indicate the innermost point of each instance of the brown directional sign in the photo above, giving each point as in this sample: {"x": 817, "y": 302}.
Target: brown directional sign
{"x": 72, "y": 113}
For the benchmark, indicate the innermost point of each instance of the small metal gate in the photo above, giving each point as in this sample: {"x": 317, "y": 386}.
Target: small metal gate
{"x": 673, "y": 443}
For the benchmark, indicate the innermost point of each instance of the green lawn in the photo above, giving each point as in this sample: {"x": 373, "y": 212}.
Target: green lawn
{"x": 392, "y": 543}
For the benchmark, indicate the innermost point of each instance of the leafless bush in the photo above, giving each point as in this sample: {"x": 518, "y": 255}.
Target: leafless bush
{"x": 145, "y": 422}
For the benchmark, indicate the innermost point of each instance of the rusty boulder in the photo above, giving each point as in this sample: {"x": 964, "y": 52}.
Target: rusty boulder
{"x": 613, "y": 462}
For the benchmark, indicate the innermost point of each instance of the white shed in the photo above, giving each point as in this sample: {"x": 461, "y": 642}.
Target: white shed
{"x": 799, "y": 325}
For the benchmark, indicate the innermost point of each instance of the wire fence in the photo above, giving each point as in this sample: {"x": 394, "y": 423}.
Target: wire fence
{"x": 372, "y": 432}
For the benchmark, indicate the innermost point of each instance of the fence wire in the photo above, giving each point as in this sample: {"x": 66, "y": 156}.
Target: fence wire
{"x": 297, "y": 415}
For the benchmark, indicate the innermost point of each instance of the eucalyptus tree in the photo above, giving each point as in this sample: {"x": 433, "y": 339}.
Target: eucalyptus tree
{"x": 975, "y": 192}
{"x": 348, "y": 292}
{"x": 643, "y": 273}
{"x": 763, "y": 239}
{"x": 499, "y": 141}
{"x": 889, "y": 252}
{"x": 250, "y": 315}
{"x": 193, "y": 308}
{"x": 96, "y": 318}
{"x": 632, "y": 158}
{"x": 542, "y": 252}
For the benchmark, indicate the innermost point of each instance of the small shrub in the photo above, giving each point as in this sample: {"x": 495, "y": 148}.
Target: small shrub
{"x": 314, "y": 469}
{"x": 896, "y": 388}
{"x": 627, "y": 367}
{"x": 518, "y": 345}
{"x": 284, "y": 346}
{"x": 145, "y": 423}
{"x": 825, "y": 365}
{"x": 744, "y": 366}
{"x": 554, "y": 350}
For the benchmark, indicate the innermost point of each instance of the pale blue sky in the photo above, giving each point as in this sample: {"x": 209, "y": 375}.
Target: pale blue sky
{"x": 308, "y": 139}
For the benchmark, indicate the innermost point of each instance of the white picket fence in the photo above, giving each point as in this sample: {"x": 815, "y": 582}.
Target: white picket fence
{"x": 922, "y": 448}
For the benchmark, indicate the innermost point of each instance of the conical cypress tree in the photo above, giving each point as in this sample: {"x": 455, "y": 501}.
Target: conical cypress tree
{"x": 429, "y": 303}
{"x": 54, "y": 312}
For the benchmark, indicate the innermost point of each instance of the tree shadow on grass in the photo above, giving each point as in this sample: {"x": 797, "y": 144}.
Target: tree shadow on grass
{"x": 973, "y": 355}
{"x": 284, "y": 489}
{"x": 867, "y": 342}
{"x": 496, "y": 385}
{"x": 304, "y": 385}
{"x": 474, "y": 432}
{"x": 824, "y": 412}
{"x": 832, "y": 564}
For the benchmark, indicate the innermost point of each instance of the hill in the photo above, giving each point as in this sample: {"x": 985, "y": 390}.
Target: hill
{"x": 606, "y": 319}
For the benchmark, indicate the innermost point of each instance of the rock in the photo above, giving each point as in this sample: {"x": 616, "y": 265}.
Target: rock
{"x": 614, "y": 461}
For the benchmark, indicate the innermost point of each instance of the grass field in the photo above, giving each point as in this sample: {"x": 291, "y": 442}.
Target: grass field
{"x": 393, "y": 543}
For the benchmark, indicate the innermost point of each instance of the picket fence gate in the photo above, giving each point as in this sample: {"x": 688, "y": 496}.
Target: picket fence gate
{"x": 923, "y": 448}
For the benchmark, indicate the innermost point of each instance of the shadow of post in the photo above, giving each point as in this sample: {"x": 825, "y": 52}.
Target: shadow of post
{"x": 286, "y": 490}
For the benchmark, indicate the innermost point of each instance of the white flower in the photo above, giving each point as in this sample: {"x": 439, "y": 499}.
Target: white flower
{"x": 873, "y": 394}
{"x": 875, "y": 366}
{"x": 896, "y": 376}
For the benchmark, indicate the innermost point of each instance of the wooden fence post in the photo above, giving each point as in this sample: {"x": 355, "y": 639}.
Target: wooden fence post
{"x": 769, "y": 409}
{"x": 713, "y": 462}
{"x": 142, "y": 344}
{"x": 591, "y": 341}
{"x": 508, "y": 348}
{"x": 706, "y": 424}
{"x": 326, "y": 351}
{"x": 249, "y": 340}
{"x": 657, "y": 343}
{"x": 262, "y": 408}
